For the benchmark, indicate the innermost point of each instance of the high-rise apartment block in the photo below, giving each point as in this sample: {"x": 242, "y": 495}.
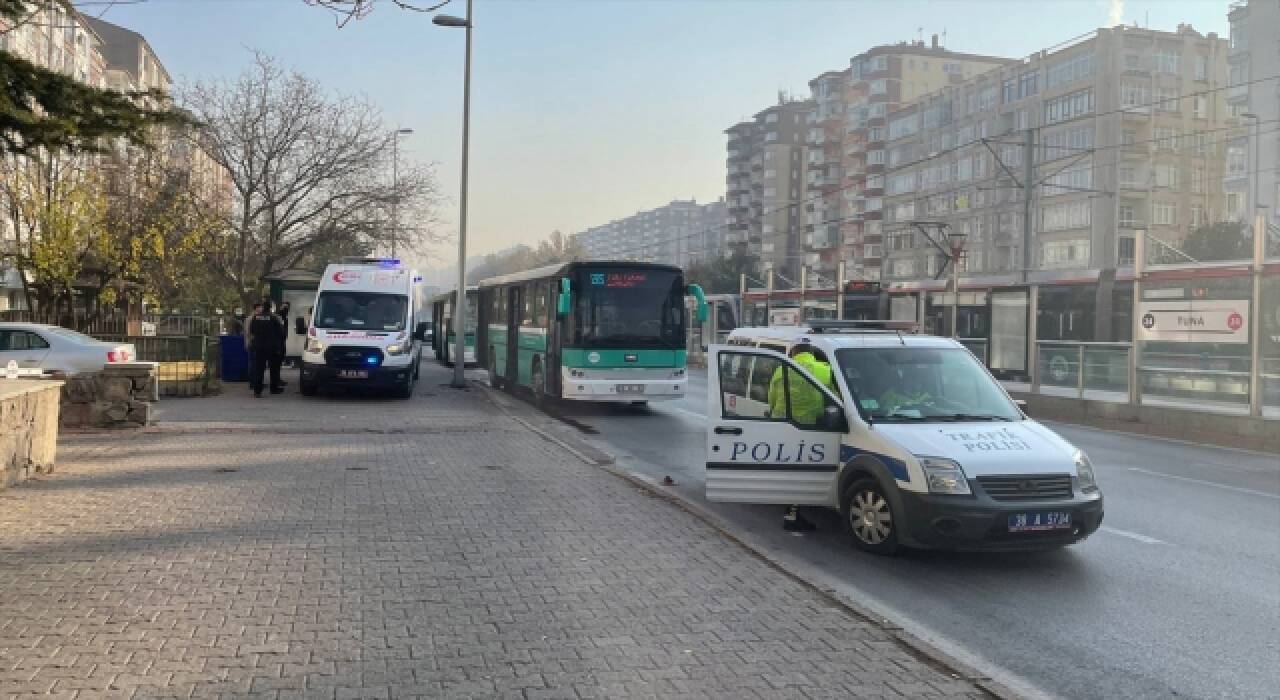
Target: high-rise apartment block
{"x": 766, "y": 185}
{"x": 680, "y": 233}
{"x": 1253, "y": 157}
{"x": 1125, "y": 130}
{"x": 846, "y": 155}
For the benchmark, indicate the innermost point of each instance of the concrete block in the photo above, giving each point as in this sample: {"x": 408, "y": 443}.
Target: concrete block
{"x": 116, "y": 389}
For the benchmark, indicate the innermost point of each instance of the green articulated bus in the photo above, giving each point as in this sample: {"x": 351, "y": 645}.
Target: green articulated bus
{"x": 443, "y": 337}
{"x": 588, "y": 331}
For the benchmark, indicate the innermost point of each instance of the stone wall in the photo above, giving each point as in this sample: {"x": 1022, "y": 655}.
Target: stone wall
{"x": 28, "y": 428}
{"x": 120, "y": 396}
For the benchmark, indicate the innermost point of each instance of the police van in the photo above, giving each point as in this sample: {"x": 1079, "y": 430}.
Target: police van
{"x": 917, "y": 445}
{"x": 363, "y": 331}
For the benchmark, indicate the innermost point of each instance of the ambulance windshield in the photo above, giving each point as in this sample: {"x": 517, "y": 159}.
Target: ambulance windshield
{"x": 361, "y": 311}
{"x": 905, "y": 384}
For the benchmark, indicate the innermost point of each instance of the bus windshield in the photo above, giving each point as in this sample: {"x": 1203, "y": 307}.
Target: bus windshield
{"x": 638, "y": 308}
{"x": 361, "y": 311}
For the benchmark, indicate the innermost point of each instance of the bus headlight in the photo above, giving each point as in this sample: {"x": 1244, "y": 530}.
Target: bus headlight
{"x": 314, "y": 345}
{"x": 944, "y": 476}
{"x": 398, "y": 349}
{"x": 1084, "y": 472}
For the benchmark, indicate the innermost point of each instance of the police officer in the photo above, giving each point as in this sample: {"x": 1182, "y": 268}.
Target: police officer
{"x": 806, "y": 406}
{"x": 278, "y": 359}
{"x": 265, "y": 340}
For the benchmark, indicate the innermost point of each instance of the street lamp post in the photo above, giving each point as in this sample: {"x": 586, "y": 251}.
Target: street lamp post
{"x": 460, "y": 299}
{"x": 395, "y": 186}
{"x": 956, "y": 239}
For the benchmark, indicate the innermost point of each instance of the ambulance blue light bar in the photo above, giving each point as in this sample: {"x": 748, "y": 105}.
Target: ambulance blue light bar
{"x": 388, "y": 263}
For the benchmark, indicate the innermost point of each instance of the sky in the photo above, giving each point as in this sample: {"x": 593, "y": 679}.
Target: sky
{"x": 585, "y": 111}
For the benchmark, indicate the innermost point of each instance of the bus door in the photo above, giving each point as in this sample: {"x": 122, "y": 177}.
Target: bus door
{"x": 515, "y": 307}
{"x": 554, "y": 328}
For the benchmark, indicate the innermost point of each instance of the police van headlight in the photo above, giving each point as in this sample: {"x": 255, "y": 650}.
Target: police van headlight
{"x": 398, "y": 349}
{"x": 1084, "y": 472}
{"x": 944, "y": 476}
{"x": 314, "y": 345}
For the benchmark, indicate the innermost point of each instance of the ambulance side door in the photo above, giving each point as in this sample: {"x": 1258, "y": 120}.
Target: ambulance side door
{"x": 759, "y": 455}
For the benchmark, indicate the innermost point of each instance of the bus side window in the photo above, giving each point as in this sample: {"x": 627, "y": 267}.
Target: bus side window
{"x": 539, "y": 294}
{"x": 526, "y": 310}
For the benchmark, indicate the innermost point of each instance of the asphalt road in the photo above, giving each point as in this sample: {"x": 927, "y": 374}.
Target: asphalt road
{"x": 1177, "y": 594}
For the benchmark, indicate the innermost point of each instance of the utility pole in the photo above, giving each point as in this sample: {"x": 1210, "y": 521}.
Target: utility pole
{"x": 1135, "y": 343}
{"x": 1255, "y": 320}
{"x": 1028, "y": 223}
{"x": 840, "y": 290}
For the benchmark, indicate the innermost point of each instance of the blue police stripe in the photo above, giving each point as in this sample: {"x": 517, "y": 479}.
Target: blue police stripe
{"x": 896, "y": 467}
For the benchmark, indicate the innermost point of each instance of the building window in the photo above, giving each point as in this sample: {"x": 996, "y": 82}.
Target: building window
{"x": 1166, "y": 99}
{"x": 1237, "y": 162}
{"x": 1027, "y": 84}
{"x": 1133, "y": 95}
{"x": 1200, "y": 107}
{"x": 1166, "y": 138}
{"x": 879, "y": 87}
{"x": 952, "y": 68}
{"x": 1167, "y": 176}
{"x": 1058, "y": 254}
{"x": 1128, "y": 215}
{"x": 1129, "y": 176}
{"x": 1167, "y": 62}
{"x": 1074, "y": 179}
{"x": 1132, "y": 61}
{"x": 1009, "y": 91}
{"x": 1197, "y": 216}
{"x": 1065, "y": 216}
{"x": 875, "y": 157}
{"x": 1197, "y": 181}
{"x": 1069, "y": 70}
{"x": 1164, "y": 214}
{"x": 902, "y": 268}
{"x": 1202, "y": 68}
{"x": 1125, "y": 249}
{"x": 1069, "y": 106}
{"x": 771, "y": 118}
{"x": 871, "y": 250}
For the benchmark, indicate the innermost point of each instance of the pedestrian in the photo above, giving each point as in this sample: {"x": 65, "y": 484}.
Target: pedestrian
{"x": 284, "y": 339}
{"x": 264, "y": 340}
{"x": 805, "y": 402}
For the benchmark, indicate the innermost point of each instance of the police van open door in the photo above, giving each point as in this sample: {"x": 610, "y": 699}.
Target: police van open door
{"x": 783, "y": 448}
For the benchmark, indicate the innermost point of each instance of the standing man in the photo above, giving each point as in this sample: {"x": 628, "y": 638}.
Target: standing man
{"x": 284, "y": 340}
{"x": 265, "y": 340}
{"x": 805, "y": 402}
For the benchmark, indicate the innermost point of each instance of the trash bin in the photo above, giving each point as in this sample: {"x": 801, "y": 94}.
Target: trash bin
{"x": 234, "y": 363}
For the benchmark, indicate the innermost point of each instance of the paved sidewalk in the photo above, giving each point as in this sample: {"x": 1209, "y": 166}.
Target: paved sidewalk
{"x": 453, "y": 554}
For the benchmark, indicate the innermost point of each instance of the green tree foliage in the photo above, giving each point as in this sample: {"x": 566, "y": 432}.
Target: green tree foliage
{"x": 722, "y": 275}
{"x": 41, "y": 109}
{"x": 557, "y": 248}
{"x": 1228, "y": 240}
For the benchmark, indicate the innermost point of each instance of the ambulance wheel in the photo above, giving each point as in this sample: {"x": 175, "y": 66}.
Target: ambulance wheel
{"x": 307, "y": 388}
{"x": 869, "y": 514}
{"x": 404, "y": 391}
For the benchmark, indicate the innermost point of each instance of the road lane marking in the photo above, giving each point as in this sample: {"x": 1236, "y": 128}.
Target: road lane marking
{"x": 687, "y": 412}
{"x": 1132, "y": 535}
{"x": 1202, "y": 482}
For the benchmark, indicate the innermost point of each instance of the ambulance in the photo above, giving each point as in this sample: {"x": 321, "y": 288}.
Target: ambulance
{"x": 363, "y": 331}
{"x": 916, "y": 445}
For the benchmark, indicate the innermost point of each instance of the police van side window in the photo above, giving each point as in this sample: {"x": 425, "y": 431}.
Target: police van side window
{"x": 744, "y": 386}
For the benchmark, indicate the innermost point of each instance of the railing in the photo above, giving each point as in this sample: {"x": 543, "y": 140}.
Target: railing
{"x": 1082, "y": 366}
{"x": 187, "y": 364}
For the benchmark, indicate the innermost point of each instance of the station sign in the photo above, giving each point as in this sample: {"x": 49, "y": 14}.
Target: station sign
{"x": 1195, "y": 321}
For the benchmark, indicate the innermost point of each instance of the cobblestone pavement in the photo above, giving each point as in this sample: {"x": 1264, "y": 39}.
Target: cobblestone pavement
{"x": 457, "y": 555}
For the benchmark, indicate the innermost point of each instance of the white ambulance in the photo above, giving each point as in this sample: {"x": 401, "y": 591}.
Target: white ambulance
{"x": 916, "y": 444}
{"x": 363, "y": 331}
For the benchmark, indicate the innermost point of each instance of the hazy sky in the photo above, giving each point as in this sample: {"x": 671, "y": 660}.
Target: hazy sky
{"x": 589, "y": 110}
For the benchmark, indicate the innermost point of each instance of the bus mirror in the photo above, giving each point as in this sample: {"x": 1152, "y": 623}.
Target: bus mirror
{"x": 564, "y": 303}
{"x": 696, "y": 291}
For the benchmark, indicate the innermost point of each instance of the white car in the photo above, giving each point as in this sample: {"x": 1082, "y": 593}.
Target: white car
{"x": 57, "y": 349}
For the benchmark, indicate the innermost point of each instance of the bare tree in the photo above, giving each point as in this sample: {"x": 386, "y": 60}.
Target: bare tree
{"x": 309, "y": 170}
{"x": 346, "y": 10}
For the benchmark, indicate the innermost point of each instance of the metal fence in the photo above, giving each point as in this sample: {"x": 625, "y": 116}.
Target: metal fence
{"x": 101, "y": 325}
{"x": 187, "y": 364}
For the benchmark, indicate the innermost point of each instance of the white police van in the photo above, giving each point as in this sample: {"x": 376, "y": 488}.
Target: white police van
{"x": 363, "y": 330}
{"x": 918, "y": 445}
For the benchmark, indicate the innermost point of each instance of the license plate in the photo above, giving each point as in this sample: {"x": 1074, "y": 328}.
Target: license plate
{"x": 630, "y": 388}
{"x": 1039, "y": 522}
{"x": 353, "y": 374}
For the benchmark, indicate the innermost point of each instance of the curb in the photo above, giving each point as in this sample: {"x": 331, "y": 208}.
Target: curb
{"x": 915, "y": 645}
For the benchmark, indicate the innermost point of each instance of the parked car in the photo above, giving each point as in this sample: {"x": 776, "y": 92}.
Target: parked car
{"x": 57, "y": 349}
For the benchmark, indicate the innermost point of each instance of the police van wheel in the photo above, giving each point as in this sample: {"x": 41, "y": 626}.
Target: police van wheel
{"x": 870, "y": 517}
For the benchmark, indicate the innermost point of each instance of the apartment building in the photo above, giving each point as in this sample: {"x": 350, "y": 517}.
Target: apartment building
{"x": 846, "y": 157}
{"x": 1128, "y": 129}
{"x": 680, "y": 233}
{"x": 1253, "y": 157}
{"x": 765, "y": 184}
{"x": 132, "y": 65}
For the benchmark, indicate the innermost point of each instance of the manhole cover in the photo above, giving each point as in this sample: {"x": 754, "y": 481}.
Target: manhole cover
{"x": 226, "y": 470}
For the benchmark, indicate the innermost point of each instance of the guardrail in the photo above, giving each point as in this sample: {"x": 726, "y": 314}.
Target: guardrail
{"x": 1082, "y": 366}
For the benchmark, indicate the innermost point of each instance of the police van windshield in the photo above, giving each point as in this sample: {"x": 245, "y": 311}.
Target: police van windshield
{"x": 904, "y": 384}
{"x": 361, "y": 311}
